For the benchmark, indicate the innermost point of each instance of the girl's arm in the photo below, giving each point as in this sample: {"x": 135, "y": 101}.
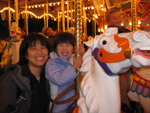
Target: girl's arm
{"x": 58, "y": 76}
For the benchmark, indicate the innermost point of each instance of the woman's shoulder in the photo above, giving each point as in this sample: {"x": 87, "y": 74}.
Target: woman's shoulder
{"x": 10, "y": 73}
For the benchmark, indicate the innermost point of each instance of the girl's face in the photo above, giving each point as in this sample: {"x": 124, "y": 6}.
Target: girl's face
{"x": 64, "y": 49}
{"x": 37, "y": 55}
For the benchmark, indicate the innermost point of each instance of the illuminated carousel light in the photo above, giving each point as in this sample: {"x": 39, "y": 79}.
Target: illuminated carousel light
{"x": 130, "y": 23}
{"x": 106, "y": 27}
{"x": 139, "y": 22}
{"x": 92, "y": 7}
{"x": 102, "y": 29}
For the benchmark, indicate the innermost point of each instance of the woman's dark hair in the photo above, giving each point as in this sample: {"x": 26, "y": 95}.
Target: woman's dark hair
{"x": 64, "y": 37}
{"x": 29, "y": 41}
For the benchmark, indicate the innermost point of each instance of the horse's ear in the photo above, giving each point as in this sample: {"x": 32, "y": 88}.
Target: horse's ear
{"x": 140, "y": 35}
{"x": 90, "y": 43}
{"x": 111, "y": 31}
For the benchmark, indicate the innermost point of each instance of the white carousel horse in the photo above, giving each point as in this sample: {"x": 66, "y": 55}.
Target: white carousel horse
{"x": 103, "y": 62}
{"x": 15, "y": 34}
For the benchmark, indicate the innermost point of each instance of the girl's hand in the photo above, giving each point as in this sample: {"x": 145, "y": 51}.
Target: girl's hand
{"x": 77, "y": 62}
{"x": 80, "y": 49}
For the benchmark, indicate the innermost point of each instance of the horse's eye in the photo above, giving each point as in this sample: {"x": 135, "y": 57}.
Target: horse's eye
{"x": 104, "y": 42}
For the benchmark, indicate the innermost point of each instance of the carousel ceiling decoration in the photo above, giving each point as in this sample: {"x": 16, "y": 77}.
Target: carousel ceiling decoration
{"x": 36, "y": 8}
{"x": 95, "y": 9}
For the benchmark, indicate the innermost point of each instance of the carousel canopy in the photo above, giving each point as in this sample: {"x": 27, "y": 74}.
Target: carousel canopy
{"x": 93, "y": 8}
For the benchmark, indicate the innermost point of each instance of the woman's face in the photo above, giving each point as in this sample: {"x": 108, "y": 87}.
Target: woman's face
{"x": 37, "y": 55}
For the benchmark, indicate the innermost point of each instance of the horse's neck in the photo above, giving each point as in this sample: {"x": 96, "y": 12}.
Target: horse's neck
{"x": 144, "y": 72}
{"x": 99, "y": 75}
{"x": 105, "y": 89}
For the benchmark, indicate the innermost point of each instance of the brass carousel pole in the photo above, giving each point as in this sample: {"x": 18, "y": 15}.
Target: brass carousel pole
{"x": 9, "y": 16}
{"x": 58, "y": 20}
{"x": 16, "y": 10}
{"x": 84, "y": 21}
{"x": 95, "y": 23}
{"x": 134, "y": 15}
{"x": 26, "y": 17}
{"x": 78, "y": 27}
{"x": 72, "y": 24}
{"x": 15, "y": 46}
{"x": 46, "y": 13}
{"x": 67, "y": 14}
{"x": 44, "y": 18}
{"x": 63, "y": 15}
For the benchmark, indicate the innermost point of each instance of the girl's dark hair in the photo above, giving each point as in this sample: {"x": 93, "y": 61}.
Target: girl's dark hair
{"x": 29, "y": 41}
{"x": 64, "y": 37}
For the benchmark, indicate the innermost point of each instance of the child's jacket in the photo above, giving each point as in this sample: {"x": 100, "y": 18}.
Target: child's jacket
{"x": 61, "y": 75}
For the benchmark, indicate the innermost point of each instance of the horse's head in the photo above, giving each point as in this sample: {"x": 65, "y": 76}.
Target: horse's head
{"x": 15, "y": 32}
{"x": 116, "y": 53}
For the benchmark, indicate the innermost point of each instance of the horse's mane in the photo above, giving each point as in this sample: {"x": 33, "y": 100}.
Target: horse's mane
{"x": 86, "y": 88}
{"x": 86, "y": 65}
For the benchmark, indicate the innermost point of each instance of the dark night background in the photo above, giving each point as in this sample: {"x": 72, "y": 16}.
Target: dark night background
{"x": 34, "y": 25}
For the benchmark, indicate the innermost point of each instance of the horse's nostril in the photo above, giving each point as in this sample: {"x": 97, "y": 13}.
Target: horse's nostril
{"x": 101, "y": 54}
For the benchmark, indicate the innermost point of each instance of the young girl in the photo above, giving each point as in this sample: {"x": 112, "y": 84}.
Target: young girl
{"x": 61, "y": 68}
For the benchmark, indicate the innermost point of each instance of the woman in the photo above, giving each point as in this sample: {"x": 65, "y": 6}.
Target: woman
{"x": 24, "y": 89}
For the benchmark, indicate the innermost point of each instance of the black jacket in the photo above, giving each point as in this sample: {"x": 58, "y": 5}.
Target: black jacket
{"x": 17, "y": 93}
